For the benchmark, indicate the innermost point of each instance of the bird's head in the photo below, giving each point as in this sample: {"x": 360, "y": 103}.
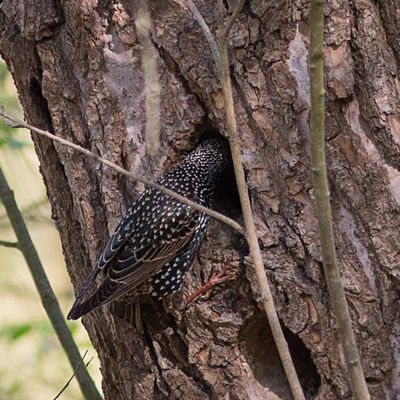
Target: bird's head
{"x": 211, "y": 157}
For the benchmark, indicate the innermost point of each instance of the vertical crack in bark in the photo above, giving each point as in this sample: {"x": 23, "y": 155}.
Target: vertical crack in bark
{"x": 51, "y": 156}
{"x": 390, "y": 17}
{"x": 173, "y": 67}
{"x": 246, "y": 107}
{"x": 190, "y": 370}
{"x": 157, "y": 370}
{"x": 373, "y": 66}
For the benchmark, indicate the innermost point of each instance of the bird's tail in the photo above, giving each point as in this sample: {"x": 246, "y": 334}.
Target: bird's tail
{"x": 129, "y": 311}
{"x": 102, "y": 295}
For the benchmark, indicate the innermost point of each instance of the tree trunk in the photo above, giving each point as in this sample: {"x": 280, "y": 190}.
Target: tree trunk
{"x": 134, "y": 82}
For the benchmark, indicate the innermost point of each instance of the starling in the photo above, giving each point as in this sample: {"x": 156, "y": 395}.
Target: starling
{"x": 155, "y": 243}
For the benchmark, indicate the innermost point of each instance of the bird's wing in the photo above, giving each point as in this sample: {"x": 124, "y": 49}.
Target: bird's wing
{"x": 133, "y": 221}
{"x": 136, "y": 261}
{"x": 120, "y": 236}
{"x": 133, "y": 261}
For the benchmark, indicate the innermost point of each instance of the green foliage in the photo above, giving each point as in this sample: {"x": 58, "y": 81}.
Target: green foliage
{"x": 7, "y": 137}
{"x": 3, "y": 72}
{"x": 9, "y": 100}
{"x": 12, "y": 390}
{"x": 73, "y": 327}
{"x": 34, "y": 343}
{"x": 14, "y": 332}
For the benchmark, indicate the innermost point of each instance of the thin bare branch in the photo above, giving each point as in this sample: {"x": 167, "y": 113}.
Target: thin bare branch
{"x": 31, "y": 213}
{"x": 5, "y": 243}
{"x": 73, "y": 375}
{"x": 251, "y": 235}
{"x": 266, "y": 296}
{"x": 30, "y": 208}
{"x": 231, "y": 21}
{"x": 322, "y": 202}
{"x": 267, "y": 299}
{"x": 220, "y": 217}
{"x": 47, "y": 296}
{"x": 207, "y": 33}
{"x": 220, "y": 16}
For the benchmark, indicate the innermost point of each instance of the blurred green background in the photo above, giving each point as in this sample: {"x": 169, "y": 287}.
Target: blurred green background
{"x": 33, "y": 365}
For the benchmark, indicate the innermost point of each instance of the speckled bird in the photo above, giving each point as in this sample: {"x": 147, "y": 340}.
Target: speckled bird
{"x": 156, "y": 241}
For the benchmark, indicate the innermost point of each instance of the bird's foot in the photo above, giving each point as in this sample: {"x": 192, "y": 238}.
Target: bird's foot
{"x": 204, "y": 291}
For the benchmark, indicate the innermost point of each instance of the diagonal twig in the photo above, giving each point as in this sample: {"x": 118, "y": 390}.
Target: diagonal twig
{"x": 251, "y": 235}
{"x": 31, "y": 208}
{"x": 266, "y": 296}
{"x": 218, "y": 216}
{"x": 231, "y": 21}
{"x": 207, "y": 33}
{"x": 73, "y": 375}
{"x": 47, "y": 296}
{"x": 5, "y": 243}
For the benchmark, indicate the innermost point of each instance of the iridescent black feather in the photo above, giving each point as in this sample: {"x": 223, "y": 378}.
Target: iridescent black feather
{"x": 156, "y": 241}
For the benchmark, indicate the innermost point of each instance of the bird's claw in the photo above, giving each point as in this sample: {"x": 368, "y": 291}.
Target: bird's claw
{"x": 205, "y": 290}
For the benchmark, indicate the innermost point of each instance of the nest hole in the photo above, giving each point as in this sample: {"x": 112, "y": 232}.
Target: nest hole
{"x": 227, "y": 200}
{"x": 259, "y": 349}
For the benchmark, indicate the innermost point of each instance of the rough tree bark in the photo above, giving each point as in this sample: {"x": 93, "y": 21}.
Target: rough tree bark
{"x": 96, "y": 72}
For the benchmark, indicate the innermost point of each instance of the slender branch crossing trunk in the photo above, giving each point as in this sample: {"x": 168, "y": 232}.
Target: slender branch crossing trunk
{"x": 323, "y": 206}
{"x": 265, "y": 291}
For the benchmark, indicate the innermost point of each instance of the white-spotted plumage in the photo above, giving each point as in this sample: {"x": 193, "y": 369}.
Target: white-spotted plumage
{"x": 157, "y": 240}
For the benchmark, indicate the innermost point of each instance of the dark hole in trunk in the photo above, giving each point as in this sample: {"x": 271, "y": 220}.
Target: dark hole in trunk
{"x": 259, "y": 349}
{"x": 227, "y": 199}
